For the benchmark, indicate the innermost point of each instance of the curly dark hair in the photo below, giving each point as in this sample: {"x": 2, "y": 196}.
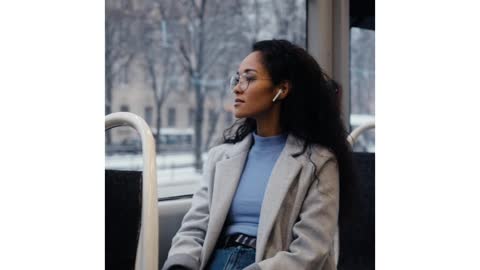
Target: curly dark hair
{"x": 310, "y": 111}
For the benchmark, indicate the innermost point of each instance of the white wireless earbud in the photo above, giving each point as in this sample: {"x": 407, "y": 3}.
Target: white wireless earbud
{"x": 278, "y": 94}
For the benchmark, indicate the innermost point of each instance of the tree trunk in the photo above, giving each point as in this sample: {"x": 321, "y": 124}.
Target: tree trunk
{"x": 199, "y": 94}
{"x": 198, "y": 127}
{"x": 159, "y": 125}
{"x": 212, "y": 124}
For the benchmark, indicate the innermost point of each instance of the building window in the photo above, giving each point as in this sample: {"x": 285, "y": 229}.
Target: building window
{"x": 191, "y": 116}
{"x": 124, "y": 108}
{"x": 171, "y": 117}
{"x": 149, "y": 115}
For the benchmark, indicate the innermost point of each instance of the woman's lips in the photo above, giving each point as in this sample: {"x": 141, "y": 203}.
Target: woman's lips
{"x": 238, "y": 102}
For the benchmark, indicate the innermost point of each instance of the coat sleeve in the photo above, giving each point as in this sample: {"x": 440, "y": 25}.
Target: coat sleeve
{"x": 188, "y": 242}
{"x": 315, "y": 228}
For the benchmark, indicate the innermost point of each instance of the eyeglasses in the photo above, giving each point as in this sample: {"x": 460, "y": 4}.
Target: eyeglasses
{"x": 243, "y": 81}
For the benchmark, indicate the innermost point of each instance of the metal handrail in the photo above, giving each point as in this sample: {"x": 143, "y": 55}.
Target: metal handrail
{"x": 147, "y": 249}
{"x": 352, "y": 138}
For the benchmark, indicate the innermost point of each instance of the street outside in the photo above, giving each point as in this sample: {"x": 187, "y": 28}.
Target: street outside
{"x": 176, "y": 174}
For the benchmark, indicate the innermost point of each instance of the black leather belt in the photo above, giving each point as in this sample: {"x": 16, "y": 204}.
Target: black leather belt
{"x": 238, "y": 240}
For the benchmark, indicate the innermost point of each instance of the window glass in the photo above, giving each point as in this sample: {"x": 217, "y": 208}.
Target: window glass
{"x": 148, "y": 115}
{"x": 176, "y": 57}
{"x": 362, "y": 84}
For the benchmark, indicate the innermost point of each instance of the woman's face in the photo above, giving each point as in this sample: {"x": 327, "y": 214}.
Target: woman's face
{"x": 256, "y": 100}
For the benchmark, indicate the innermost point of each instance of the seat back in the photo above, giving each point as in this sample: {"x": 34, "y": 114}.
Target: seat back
{"x": 123, "y": 204}
{"x": 171, "y": 213}
{"x": 357, "y": 236}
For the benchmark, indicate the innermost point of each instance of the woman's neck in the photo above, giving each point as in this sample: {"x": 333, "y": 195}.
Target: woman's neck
{"x": 268, "y": 131}
{"x": 268, "y": 124}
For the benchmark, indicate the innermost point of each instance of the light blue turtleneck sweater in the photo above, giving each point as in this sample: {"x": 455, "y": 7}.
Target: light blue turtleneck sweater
{"x": 244, "y": 213}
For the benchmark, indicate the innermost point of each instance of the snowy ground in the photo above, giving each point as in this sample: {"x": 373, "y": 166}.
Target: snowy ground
{"x": 175, "y": 172}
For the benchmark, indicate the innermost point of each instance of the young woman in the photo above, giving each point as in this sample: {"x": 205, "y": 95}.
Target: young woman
{"x": 269, "y": 198}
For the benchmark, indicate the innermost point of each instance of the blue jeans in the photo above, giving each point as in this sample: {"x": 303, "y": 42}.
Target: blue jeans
{"x": 231, "y": 258}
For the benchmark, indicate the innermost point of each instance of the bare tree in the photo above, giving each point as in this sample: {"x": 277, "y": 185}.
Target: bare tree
{"x": 289, "y": 24}
{"x": 209, "y": 35}
{"x": 219, "y": 96}
{"x": 252, "y": 20}
{"x": 213, "y": 119}
{"x": 117, "y": 51}
{"x": 160, "y": 62}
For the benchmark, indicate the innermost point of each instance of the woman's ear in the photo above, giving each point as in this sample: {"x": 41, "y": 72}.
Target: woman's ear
{"x": 286, "y": 87}
{"x": 282, "y": 91}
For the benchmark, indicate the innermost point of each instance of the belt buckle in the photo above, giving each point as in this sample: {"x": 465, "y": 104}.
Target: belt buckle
{"x": 244, "y": 240}
{"x": 236, "y": 240}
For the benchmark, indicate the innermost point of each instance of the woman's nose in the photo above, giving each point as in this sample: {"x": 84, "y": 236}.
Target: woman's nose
{"x": 237, "y": 89}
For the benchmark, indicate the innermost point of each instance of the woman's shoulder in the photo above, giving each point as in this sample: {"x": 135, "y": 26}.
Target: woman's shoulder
{"x": 321, "y": 154}
{"x": 322, "y": 151}
{"x": 218, "y": 149}
{"x": 313, "y": 150}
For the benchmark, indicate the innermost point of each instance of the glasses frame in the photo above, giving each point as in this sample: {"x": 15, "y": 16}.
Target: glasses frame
{"x": 240, "y": 81}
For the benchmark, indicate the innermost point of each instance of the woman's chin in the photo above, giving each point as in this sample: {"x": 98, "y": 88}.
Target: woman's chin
{"x": 238, "y": 114}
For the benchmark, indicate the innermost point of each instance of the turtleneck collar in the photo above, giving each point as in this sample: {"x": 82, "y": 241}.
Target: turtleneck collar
{"x": 267, "y": 143}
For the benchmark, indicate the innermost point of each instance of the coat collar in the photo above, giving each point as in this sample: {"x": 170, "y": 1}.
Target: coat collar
{"x": 227, "y": 175}
{"x": 292, "y": 145}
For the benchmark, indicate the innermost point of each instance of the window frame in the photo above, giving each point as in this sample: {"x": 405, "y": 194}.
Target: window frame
{"x": 328, "y": 41}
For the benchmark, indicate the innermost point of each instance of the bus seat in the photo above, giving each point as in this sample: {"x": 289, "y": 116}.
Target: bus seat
{"x": 123, "y": 203}
{"x": 171, "y": 213}
{"x": 357, "y": 234}
{"x": 357, "y": 237}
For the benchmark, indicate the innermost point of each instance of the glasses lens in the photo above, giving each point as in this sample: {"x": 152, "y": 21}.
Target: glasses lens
{"x": 234, "y": 81}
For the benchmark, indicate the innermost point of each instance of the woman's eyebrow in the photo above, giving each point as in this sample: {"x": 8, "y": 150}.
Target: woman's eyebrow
{"x": 248, "y": 70}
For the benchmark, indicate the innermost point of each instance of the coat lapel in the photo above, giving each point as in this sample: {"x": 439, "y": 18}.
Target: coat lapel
{"x": 283, "y": 173}
{"x": 227, "y": 176}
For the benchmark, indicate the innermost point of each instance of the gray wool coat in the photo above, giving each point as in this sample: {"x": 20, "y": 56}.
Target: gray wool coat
{"x": 298, "y": 217}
